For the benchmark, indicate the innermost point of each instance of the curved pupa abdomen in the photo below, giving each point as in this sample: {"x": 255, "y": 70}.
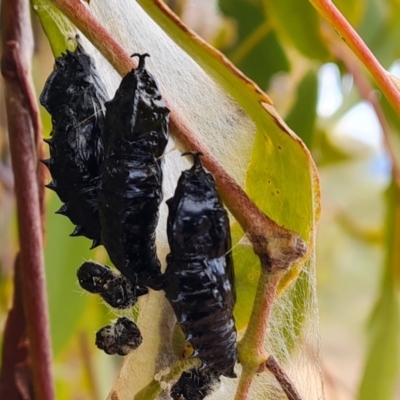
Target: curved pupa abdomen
{"x": 74, "y": 95}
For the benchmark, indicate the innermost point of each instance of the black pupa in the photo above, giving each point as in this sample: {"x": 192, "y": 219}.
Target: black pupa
{"x": 199, "y": 279}
{"x": 135, "y": 135}
{"x": 74, "y": 95}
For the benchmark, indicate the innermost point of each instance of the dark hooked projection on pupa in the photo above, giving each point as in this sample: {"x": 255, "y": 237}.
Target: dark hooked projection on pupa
{"x": 74, "y": 95}
{"x": 199, "y": 279}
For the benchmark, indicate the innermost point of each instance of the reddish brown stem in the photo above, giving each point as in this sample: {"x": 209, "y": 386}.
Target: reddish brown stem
{"x": 245, "y": 381}
{"x": 251, "y": 348}
{"x": 329, "y": 11}
{"x": 28, "y": 92}
{"x": 32, "y": 107}
{"x": 17, "y": 47}
{"x": 97, "y": 34}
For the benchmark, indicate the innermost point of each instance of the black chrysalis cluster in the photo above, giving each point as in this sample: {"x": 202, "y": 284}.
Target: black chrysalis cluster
{"x": 105, "y": 161}
{"x": 199, "y": 279}
{"x": 111, "y": 193}
{"x": 74, "y": 95}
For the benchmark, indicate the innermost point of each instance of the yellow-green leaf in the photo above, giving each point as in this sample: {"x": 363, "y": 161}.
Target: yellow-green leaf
{"x": 256, "y": 41}
{"x": 63, "y": 256}
{"x": 382, "y": 363}
{"x": 298, "y": 22}
{"x": 353, "y": 11}
{"x": 303, "y": 113}
{"x": 57, "y": 27}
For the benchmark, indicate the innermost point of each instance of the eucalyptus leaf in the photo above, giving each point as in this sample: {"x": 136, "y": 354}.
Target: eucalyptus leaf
{"x": 353, "y": 11}
{"x": 382, "y": 363}
{"x": 57, "y": 27}
{"x": 303, "y": 114}
{"x": 298, "y": 22}
{"x": 256, "y": 41}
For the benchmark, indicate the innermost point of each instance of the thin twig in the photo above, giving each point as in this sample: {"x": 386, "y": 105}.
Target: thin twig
{"x": 17, "y": 44}
{"x": 280, "y": 375}
{"x": 329, "y": 11}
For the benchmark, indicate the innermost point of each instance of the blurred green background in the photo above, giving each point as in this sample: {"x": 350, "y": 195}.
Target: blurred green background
{"x": 283, "y": 46}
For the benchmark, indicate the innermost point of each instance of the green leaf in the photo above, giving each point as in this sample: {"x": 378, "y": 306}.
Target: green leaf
{"x": 380, "y": 29}
{"x": 373, "y": 22}
{"x": 63, "y": 256}
{"x": 394, "y": 131}
{"x": 246, "y": 278}
{"x": 326, "y": 152}
{"x": 279, "y": 177}
{"x": 303, "y": 113}
{"x": 353, "y": 11}
{"x": 255, "y": 42}
{"x": 258, "y": 64}
{"x": 382, "y": 366}
{"x": 298, "y": 22}
{"x": 57, "y": 27}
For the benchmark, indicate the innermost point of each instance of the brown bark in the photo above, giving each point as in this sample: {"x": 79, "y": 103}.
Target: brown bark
{"x": 24, "y": 132}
